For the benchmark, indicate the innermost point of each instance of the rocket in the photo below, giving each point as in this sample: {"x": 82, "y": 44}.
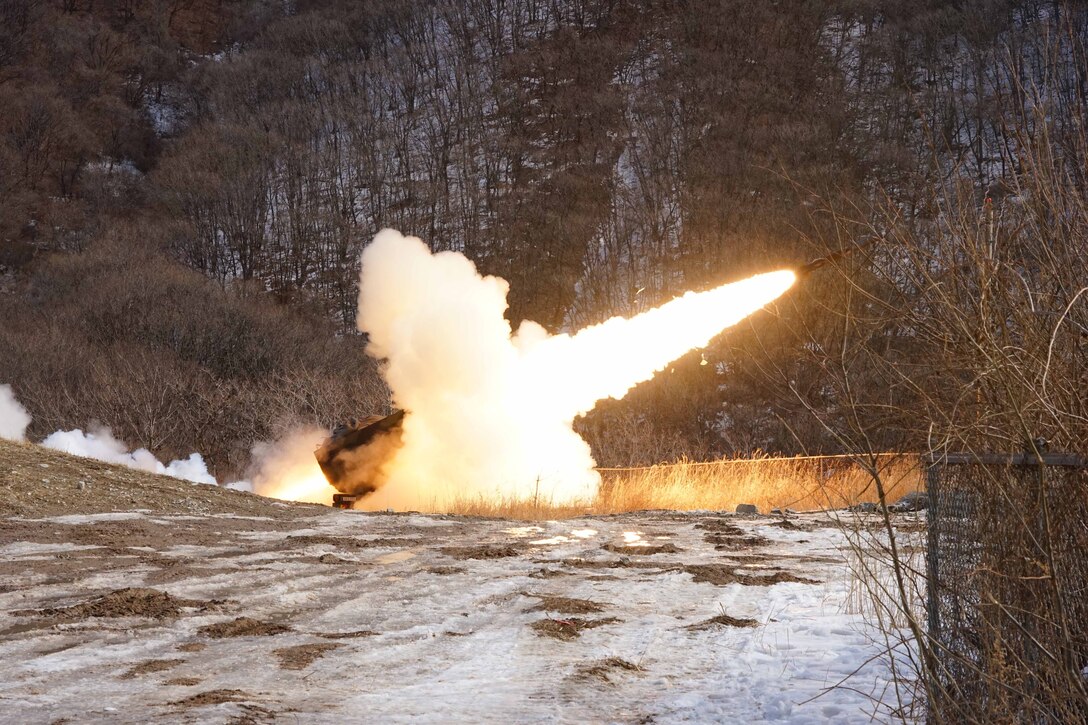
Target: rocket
{"x": 833, "y": 258}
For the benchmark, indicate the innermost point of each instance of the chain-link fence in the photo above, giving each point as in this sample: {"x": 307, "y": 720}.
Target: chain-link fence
{"x": 1008, "y": 588}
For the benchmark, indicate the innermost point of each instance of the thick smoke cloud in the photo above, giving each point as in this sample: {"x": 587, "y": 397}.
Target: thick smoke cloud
{"x": 452, "y": 361}
{"x": 489, "y": 410}
{"x": 100, "y": 445}
{"x": 14, "y": 419}
{"x": 287, "y": 469}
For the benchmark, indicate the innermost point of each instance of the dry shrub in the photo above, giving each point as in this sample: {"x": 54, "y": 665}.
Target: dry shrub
{"x": 526, "y": 509}
{"x": 121, "y": 336}
{"x": 961, "y": 329}
{"x": 801, "y": 483}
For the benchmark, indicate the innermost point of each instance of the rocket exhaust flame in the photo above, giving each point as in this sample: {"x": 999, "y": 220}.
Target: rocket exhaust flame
{"x": 491, "y": 410}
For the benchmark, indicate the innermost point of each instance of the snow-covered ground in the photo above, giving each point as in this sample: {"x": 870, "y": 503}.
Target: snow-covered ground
{"x": 410, "y": 618}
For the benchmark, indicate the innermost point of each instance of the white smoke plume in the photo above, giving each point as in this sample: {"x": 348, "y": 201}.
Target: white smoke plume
{"x": 100, "y": 445}
{"x": 490, "y": 411}
{"x": 286, "y": 468}
{"x": 13, "y": 417}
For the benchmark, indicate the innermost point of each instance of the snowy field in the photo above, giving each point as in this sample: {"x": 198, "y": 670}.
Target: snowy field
{"x": 346, "y": 617}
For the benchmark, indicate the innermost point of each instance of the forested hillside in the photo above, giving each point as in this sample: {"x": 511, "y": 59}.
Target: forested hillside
{"x": 186, "y": 186}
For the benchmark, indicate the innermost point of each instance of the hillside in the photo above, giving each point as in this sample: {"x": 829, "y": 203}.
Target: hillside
{"x": 37, "y": 482}
{"x": 176, "y": 176}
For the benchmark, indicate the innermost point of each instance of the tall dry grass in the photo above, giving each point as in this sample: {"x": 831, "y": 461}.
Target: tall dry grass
{"x": 800, "y": 483}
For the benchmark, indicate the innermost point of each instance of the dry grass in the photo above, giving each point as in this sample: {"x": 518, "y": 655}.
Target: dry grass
{"x": 803, "y": 483}
{"x": 532, "y": 508}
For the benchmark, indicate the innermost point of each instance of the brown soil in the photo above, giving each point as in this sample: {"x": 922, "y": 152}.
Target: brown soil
{"x": 724, "y": 574}
{"x": 342, "y": 542}
{"x": 146, "y": 668}
{"x": 333, "y": 559}
{"x": 602, "y": 668}
{"x": 252, "y": 715}
{"x": 350, "y": 542}
{"x": 303, "y": 655}
{"x": 590, "y": 563}
{"x": 393, "y": 542}
{"x": 172, "y": 571}
{"x": 39, "y": 482}
{"x": 723, "y": 541}
{"x": 479, "y": 552}
{"x": 183, "y": 681}
{"x": 444, "y": 570}
{"x": 132, "y": 602}
{"x": 723, "y": 526}
{"x": 192, "y": 647}
{"x": 605, "y": 564}
{"x": 213, "y": 697}
{"x": 117, "y": 536}
{"x": 567, "y": 629}
{"x": 564, "y": 605}
{"x": 648, "y": 550}
{"x": 243, "y": 627}
{"x": 346, "y": 635}
{"x": 781, "y": 576}
{"x": 723, "y": 620}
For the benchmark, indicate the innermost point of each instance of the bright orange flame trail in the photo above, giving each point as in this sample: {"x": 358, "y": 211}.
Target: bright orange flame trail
{"x": 607, "y": 360}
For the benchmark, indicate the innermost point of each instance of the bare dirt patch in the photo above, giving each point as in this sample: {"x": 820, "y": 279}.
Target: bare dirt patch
{"x": 150, "y": 666}
{"x": 621, "y": 563}
{"x": 340, "y": 542}
{"x": 723, "y": 574}
{"x": 346, "y": 635}
{"x": 780, "y": 577}
{"x": 723, "y": 526}
{"x": 252, "y": 715}
{"x": 213, "y": 697}
{"x": 393, "y": 542}
{"x": 171, "y": 571}
{"x": 183, "y": 682}
{"x": 350, "y": 542}
{"x": 192, "y": 647}
{"x": 730, "y": 542}
{"x": 645, "y": 550}
{"x": 723, "y": 620}
{"x": 479, "y": 552}
{"x": 591, "y": 563}
{"x": 129, "y": 602}
{"x": 115, "y": 536}
{"x": 243, "y": 627}
{"x": 567, "y": 629}
{"x": 333, "y": 559}
{"x": 602, "y": 669}
{"x": 564, "y": 605}
{"x": 445, "y": 570}
{"x": 302, "y": 656}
